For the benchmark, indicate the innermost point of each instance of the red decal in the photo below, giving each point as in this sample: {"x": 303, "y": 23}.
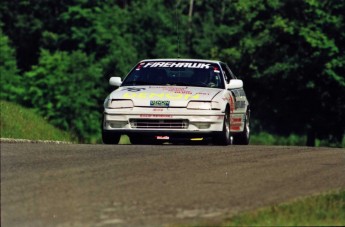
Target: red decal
{"x": 236, "y": 120}
{"x": 232, "y": 104}
{"x": 202, "y": 93}
{"x": 235, "y": 128}
{"x": 177, "y": 90}
{"x": 155, "y": 116}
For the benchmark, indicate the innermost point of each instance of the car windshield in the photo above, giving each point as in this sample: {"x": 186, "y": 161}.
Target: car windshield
{"x": 197, "y": 74}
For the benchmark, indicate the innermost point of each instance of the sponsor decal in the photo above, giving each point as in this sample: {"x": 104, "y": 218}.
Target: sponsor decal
{"x": 203, "y": 93}
{"x": 155, "y": 116}
{"x": 162, "y": 137}
{"x": 193, "y": 65}
{"x": 160, "y": 103}
{"x": 170, "y": 96}
{"x": 177, "y": 90}
{"x": 157, "y": 109}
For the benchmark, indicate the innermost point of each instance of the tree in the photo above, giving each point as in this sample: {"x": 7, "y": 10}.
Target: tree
{"x": 11, "y": 87}
{"x": 24, "y": 24}
{"x": 293, "y": 56}
{"x": 290, "y": 54}
{"x": 153, "y": 26}
{"x": 64, "y": 88}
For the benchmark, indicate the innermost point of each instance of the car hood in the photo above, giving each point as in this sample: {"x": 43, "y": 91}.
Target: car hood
{"x": 153, "y": 95}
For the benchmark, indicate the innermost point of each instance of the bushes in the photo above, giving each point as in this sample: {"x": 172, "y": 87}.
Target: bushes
{"x": 264, "y": 138}
{"x": 297, "y": 88}
{"x": 65, "y": 88}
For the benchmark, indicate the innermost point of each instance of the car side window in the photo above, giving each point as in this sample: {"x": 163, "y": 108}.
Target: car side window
{"x": 231, "y": 73}
{"x": 228, "y": 75}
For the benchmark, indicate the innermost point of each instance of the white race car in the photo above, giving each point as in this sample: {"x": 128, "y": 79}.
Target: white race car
{"x": 165, "y": 100}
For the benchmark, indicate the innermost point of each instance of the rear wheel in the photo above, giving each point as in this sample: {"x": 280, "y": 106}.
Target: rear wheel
{"x": 243, "y": 137}
{"x": 224, "y": 137}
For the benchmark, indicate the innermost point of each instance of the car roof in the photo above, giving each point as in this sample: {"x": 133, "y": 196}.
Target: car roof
{"x": 182, "y": 60}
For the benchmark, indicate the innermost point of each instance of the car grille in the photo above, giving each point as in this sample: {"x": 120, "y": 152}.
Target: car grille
{"x": 159, "y": 124}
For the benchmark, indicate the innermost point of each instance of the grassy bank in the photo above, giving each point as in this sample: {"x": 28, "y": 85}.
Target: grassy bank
{"x": 321, "y": 210}
{"x": 22, "y": 123}
{"x": 265, "y": 138}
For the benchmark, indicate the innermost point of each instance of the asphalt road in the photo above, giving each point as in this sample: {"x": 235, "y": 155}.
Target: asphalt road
{"x": 100, "y": 185}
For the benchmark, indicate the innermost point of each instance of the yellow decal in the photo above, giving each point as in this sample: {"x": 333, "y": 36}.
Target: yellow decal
{"x": 154, "y": 95}
{"x": 129, "y": 95}
{"x": 191, "y": 96}
{"x": 174, "y": 96}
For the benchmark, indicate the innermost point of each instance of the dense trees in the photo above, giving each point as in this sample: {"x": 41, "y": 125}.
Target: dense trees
{"x": 57, "y": 56}
{"x": 10, "y": 86}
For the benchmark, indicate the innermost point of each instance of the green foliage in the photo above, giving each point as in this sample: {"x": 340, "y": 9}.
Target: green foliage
{"x": 153, "y": 29}
{"x": 264, "y": 138}
{"x": 22, "y": 123}
{"x": 292, "y": 52}
{"x": 10, "y": 87}
{"x": 290, "y": 55}
{"x": 65, "y": 88}
{"x": 322, "y": 210}
{"x": 98, "y": 29}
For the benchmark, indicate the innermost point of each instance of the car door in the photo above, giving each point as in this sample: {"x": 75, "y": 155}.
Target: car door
{"x": 240, "y": 100}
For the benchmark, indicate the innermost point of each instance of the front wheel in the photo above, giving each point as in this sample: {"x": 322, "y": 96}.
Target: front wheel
{"x": 135, "y": 139}
{"x": 224, "y": 137}
{"x": 109, "y": 137}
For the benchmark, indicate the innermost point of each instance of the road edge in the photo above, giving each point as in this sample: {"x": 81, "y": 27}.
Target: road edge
{"x": 12, "y": 140}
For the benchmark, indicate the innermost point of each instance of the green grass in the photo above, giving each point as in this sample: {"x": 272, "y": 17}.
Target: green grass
{"x": 124, "y": 140}
{"x": 265, "y": 138}
{"x": 22, "y": 123}
{"x": 321, "y": 210}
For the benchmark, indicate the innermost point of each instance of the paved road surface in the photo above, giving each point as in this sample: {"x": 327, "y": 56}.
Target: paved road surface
{"x": 124, "y": 185}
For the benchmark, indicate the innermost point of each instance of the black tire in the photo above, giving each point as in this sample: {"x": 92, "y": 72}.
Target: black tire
{"x": 109, "y": 137}
{"x": 224, "y": 138}
{"x": 136, "y": 139}
{"x": 144, "y": 140}
{"x": 243, "y": 137}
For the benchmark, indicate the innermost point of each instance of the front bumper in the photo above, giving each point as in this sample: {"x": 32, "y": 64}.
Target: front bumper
{"x": 163, "y": 121}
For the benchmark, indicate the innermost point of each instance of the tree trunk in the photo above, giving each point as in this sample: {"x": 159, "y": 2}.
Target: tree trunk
{"x": 311, "y": 137}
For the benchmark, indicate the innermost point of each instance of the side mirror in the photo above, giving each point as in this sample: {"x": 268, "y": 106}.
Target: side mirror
{"x": 234, "y": 84}
{"x": 115, "y": 81}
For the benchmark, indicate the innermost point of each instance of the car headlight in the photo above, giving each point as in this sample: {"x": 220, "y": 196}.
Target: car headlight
{"x": 203, "y": 105}
{"x": 119, "y": 104}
